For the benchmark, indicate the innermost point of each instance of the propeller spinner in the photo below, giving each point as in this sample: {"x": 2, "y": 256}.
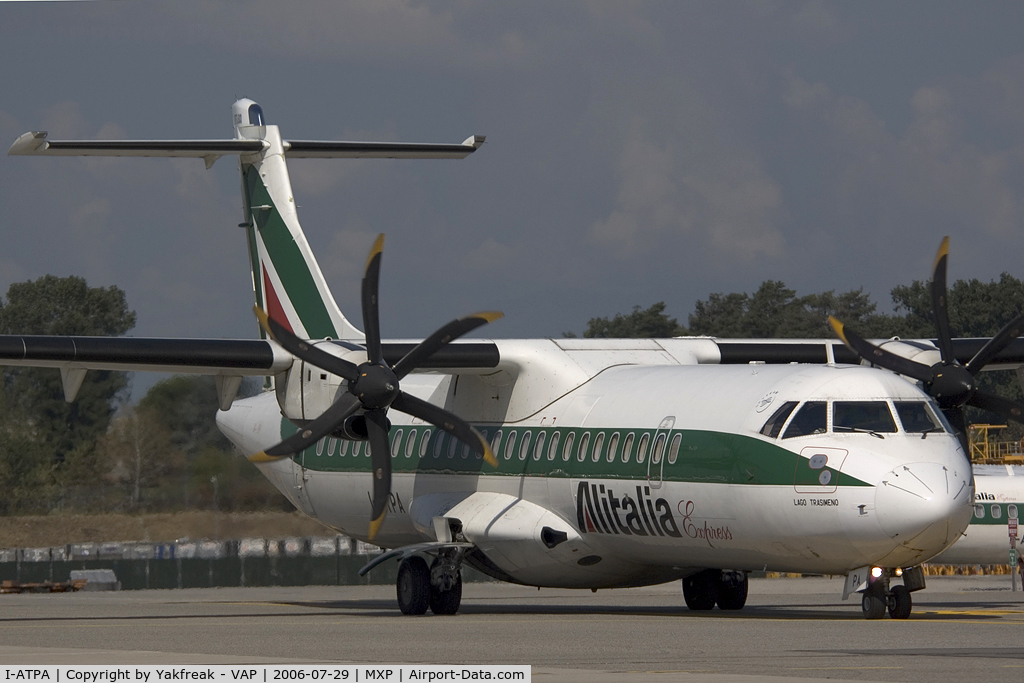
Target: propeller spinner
{"x": 951, "y": 384}
{"x": 373, "y": 387}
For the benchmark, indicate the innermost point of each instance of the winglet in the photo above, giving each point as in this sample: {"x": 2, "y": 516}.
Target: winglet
{"x": 838, "y": 327}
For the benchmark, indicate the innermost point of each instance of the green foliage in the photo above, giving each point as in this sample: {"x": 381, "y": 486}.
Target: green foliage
{"x": 648, "y": 323}
{"x": 187, "y": 405}
{"x": 775, "y": 311}
{"x": 41, "y": 431}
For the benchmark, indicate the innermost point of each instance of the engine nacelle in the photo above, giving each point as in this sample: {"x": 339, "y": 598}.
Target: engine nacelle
{"x": 920, "y": 352}
{"x": 305, "y": 391}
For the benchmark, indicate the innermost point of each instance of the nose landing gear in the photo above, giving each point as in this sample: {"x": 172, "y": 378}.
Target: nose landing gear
{"x": 878, "y": 597}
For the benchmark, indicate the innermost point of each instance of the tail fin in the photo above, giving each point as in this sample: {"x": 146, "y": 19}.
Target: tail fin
{"x": 287, "y": 281}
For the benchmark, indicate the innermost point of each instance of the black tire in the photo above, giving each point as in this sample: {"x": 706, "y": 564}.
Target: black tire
{"x": 732, "y": 590}
{"x": 900, "y": 603}
{"x": 413, "y": 586}
{"x": 447, "y": 602}
{"x": 872, "y": 603}
{"x": 700, "y": 591}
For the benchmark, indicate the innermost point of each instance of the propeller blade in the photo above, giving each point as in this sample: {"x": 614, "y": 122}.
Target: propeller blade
{"x": 304, "y": 350}
{"x": 939, "y": 301}
{"x": 879, "y": 356}
{"x": 453, "y": 330}
{"x": 371, "y": 313}
{"x": 993, "y": 346}
{"x": 308, "y": 435}
{"x": 380, "y": 459}
{"x": 1004, "y": 407}
{"x": 441, "y": 418}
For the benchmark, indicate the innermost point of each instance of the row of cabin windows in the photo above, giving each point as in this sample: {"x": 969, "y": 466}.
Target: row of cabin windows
{"x": 853, "y": 416}
{"x": 996, "y": 511}
{"x": 524, "y": 444}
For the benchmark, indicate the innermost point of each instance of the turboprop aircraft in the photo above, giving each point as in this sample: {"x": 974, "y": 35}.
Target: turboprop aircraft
{"x": 584, "y": 463}
{"x": 998, "y": 498}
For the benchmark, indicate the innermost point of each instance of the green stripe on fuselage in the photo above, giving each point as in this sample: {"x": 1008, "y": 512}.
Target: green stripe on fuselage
{"x": 703, "y": 456}
{"x": 291, "y": 266}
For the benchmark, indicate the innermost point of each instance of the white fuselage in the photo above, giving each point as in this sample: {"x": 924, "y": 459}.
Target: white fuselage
{"x": 999, "y": 497}
{"x": 721, "y": 495}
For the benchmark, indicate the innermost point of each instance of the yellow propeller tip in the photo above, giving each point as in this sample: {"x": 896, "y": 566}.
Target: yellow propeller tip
{"x": 489, "y": 316}
{"x": 375, "y": 525}
{"x": 943, "y": 251}
{"x": 838, "y": 327}
{"x": 264, "y": 319}
{"x": 262, "y": 457}
{"x": 375, "y": 250}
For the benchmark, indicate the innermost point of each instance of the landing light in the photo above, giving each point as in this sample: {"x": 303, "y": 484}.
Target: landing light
{"x": 876, "y": 572}
{"x": 899, "y": 572}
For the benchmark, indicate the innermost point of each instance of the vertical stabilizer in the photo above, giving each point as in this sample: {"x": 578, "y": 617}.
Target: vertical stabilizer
{"x": 287, "y": 281}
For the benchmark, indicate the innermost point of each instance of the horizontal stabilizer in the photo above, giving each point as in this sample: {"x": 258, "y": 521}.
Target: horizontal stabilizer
{"x": 313, "y": 149}
{"x": 35, "y": 143}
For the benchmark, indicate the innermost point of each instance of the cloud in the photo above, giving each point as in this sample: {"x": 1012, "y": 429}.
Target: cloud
{"x": 720, "y": 194}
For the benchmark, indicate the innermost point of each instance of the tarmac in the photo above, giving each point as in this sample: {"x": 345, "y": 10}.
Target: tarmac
{"x": 800, "y": 629}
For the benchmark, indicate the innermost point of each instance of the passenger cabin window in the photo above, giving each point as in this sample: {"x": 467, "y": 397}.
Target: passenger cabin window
{"x": 524, "y": 447}
{"x": 538, "y": 450}
{"x": 810, "y": 419}
{"x": 598, "y": 445}
{"x": 774, "y": 424}
{"x": 862, "y": 416}
{"x": 1011, "y": 511}
{"x": 567, "y": 449}
{"x": 613, "y": 445}
{"x": 917, "y": 417}
{"x": 627, "y": 447}
{"x": 584, "y": 447}
{"x": 424, "y": 440}
{"x": 553, "y": 450}
{"x": 659, "y": 448}
{"x": 510, "y": 444}
{"x": 979, "y": 511}
{"x": 410, "y": 447}
{"x": 255, "y": 115}
{"x": 997, "y": 512}
{"x": 641, "y": 451}
{"x": 673, "y": 451}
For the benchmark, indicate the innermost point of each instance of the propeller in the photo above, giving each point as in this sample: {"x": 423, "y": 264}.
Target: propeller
{"x": 951, "y": 384}
{"x": 373, "y": 387}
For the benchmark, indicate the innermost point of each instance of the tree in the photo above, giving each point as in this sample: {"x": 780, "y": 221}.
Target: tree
{"x": 648, "y": 323}
{"x": 42, "y": 429}
{"x": 139, "y": 453}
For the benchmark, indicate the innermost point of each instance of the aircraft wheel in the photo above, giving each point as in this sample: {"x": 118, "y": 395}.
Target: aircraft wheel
{"x": 413, "y": 586}
{"x": 447, "y": 602}
{"x": 700, "y": 591}
{"x": 900, "y": 603}
{"x": 872, "y": 602}
{"x": 732, "y": 591}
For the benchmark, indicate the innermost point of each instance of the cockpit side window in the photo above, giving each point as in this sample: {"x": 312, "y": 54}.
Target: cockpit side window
{"x": 917, "y": 416}
{"x": 862, "y": 416}
{"x": 810, "y": 419}
{"x": 255, "y": 115}
{"x": 774, "y": 424}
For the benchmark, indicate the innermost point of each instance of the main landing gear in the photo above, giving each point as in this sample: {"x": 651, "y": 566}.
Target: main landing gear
{"x": 724, "y": 587}
{"x": 438, "y": 587}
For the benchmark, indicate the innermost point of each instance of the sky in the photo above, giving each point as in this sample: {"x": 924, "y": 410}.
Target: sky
{"x": 636, "y": 151}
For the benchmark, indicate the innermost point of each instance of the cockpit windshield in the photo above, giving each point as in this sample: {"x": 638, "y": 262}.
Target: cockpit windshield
{"x": 255, "y": 115}
{"x": 870, "y": 417}
{"x": 918, "y": 417}
{"x": 862, "y": 416}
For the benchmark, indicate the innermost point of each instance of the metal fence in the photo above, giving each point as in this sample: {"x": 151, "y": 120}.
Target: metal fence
{"x": 307, "y": 561}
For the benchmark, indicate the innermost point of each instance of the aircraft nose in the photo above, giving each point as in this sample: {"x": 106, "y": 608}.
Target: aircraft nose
{"x": 925, "y": 506}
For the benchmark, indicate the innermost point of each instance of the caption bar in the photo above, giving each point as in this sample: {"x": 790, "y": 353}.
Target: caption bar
{"x": 264, "y": 673}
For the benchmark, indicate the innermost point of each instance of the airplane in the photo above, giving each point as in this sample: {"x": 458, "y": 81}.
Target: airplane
{"x": 998, "y": 498}
{"x": 580, "y": 463}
